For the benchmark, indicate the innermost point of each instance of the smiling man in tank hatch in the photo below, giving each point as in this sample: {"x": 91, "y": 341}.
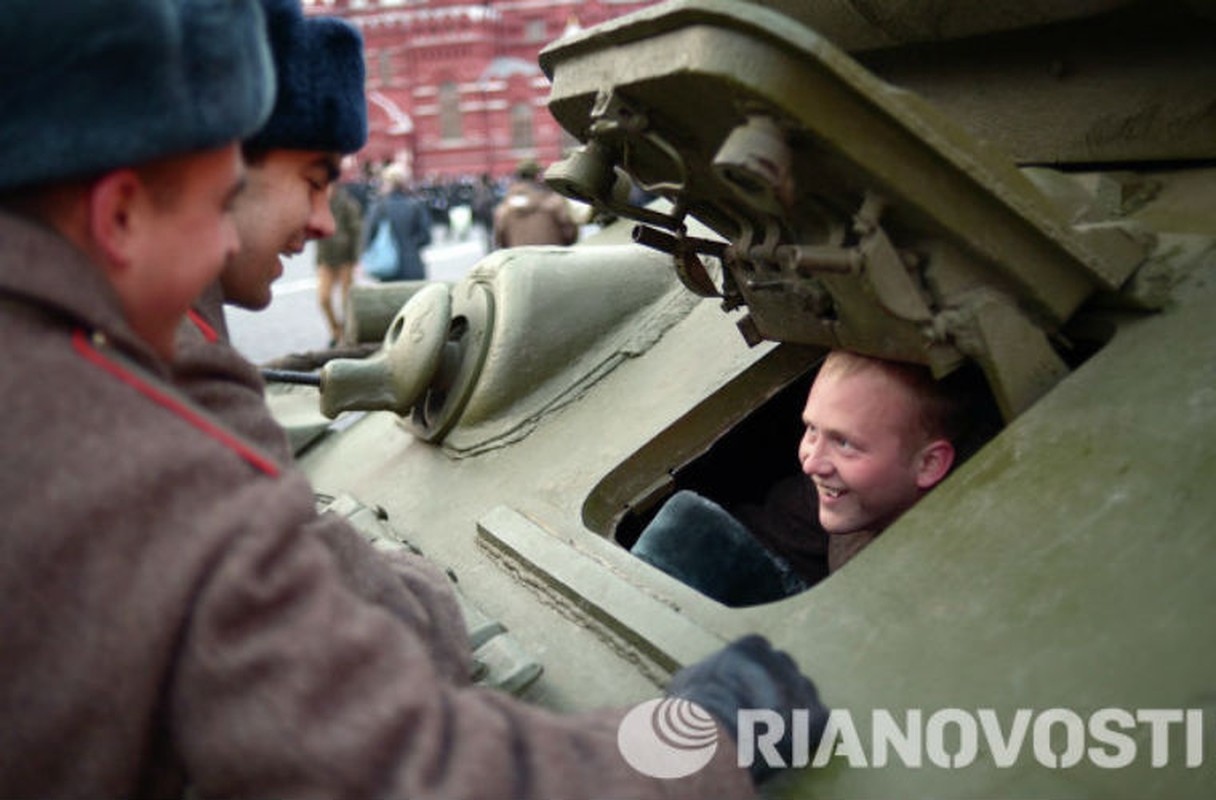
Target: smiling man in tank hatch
{"x": 878, "y": 436}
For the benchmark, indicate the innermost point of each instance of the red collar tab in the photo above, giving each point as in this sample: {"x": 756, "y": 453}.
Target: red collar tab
{"x": 87, "y": 347}
{"x": 209, "y": 333}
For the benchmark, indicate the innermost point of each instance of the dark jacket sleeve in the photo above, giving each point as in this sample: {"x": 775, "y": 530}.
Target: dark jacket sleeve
{"x": 374, "y": 215}
{"x": 422, "y": 225}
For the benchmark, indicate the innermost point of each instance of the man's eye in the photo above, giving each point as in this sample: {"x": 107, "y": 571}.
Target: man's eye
{"x": 317, "y": 181}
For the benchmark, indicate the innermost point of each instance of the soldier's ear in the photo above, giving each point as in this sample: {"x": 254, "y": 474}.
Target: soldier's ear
{"x": 933, "y": 463}
{"x": 113, "y": 217}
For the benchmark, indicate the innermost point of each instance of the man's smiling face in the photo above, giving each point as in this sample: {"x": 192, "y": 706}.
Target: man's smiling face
{"x": 860, "y": 448}
{"x": 285, "y": 204}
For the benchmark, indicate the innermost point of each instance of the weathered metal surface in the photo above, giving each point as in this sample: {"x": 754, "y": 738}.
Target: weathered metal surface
{"x": 1068, "y": 564}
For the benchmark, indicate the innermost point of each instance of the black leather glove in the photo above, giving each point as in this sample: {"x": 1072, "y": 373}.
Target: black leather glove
{"x": 749, "y": 673}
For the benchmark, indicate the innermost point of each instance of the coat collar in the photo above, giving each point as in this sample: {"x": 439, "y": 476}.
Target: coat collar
{"x": 210, "y": 307}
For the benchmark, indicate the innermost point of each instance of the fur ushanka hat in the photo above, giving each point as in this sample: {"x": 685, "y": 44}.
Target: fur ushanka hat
{"x": 319, "y": 67}
{"x": 94, "y": 85}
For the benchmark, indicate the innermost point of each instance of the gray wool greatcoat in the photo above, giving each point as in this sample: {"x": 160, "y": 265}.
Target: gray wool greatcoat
{"x": 170, "y": 618}
{"x": 213, "y": 374}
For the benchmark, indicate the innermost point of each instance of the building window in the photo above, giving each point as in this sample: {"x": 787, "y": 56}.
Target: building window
{"x": 386, "y": 68}
{"x": 535, "y": 31}
{"x": 449, "y": 111}
{"x": 521, "y": 126}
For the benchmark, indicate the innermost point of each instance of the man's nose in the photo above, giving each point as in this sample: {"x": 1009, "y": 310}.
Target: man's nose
{"x": 321, "y": 223}
{"x": 813, "y": 457}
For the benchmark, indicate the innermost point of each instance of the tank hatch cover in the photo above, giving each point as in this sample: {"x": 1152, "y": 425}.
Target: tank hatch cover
{"x": 856, "y": 216}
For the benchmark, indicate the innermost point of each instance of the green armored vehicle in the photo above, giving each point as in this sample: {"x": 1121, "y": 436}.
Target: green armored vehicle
{"x": 1026, "y": 188}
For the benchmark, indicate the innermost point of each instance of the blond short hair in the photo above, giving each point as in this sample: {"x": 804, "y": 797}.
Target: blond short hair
{"x": 941, "y": 411}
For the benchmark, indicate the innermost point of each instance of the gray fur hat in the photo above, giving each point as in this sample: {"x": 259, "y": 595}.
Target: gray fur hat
{"x": 318, "y": 63}
{"x": 94, "y": 85}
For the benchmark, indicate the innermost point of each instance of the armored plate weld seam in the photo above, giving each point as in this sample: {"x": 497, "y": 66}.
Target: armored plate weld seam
{"x": 208, "y": 332}
{"x": 84, "y": 346}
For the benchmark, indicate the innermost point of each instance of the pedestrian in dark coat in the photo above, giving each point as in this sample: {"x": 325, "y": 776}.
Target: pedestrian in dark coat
{"x": 532, "y": 213}
{"x": 408, "y": 220}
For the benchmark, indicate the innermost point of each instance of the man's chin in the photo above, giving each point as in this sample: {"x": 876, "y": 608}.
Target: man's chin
{"x": 251, "y": 302}
{"x": 245, "y": 291}
{"x": 835, "y": 525}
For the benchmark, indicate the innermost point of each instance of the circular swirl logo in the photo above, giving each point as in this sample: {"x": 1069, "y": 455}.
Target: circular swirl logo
{"x": 669, "y": 737}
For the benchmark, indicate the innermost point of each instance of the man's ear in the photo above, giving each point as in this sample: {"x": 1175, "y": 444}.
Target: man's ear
{"x": 113, "y": 217}
{"x": 933, "y": 463}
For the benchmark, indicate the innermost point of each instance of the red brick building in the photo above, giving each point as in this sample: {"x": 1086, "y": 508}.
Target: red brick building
{"x": 454, "y": 88}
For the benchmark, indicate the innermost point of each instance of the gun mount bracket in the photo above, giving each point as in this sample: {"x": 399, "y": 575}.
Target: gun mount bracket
{"x": 623, "y": 149}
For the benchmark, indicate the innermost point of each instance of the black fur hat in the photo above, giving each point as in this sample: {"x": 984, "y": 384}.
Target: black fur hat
{"x": 319, "y": 67}
{"x": 93, "y": 85}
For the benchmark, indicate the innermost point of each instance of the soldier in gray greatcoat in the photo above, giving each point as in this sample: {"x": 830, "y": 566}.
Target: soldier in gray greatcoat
{"x": 319, "y": 115}
{"x": 532, "y": 213}
{"x": 170, "y": 619}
